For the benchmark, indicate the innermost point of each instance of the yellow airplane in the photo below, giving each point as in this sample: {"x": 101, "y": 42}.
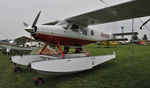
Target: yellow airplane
{"x": 109, "y": 43}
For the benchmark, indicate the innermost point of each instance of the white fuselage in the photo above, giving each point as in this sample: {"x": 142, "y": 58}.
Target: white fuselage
{"x": 81, "y": 36}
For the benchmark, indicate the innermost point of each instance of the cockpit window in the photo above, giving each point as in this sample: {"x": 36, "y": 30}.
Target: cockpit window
{"x": 75, "y": 28}
{"x": 64, "y": 24}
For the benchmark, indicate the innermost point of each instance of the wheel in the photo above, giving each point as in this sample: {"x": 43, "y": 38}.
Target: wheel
{"x": 7, "y": 53}
{"x": 16, "y": 69}
{"x": 38, "y": 81}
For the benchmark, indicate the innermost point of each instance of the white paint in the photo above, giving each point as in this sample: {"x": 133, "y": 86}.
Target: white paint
{"x": 70, "y": 65}
{"x": 58, "y": 30}
{"x": 28, "y": 59}
{"x": 57, "y": 65}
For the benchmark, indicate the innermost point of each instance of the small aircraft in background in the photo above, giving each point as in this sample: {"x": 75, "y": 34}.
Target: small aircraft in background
{"x": 75, "y": 31}
{"x": 16, "y": 45}
{"x": 107, "y": 43}
{"x": 114, "y": 43}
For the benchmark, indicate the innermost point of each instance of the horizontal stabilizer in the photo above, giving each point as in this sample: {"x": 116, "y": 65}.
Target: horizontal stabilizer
{"x": 121, "y": 39}
{"x": 127, "y": 33}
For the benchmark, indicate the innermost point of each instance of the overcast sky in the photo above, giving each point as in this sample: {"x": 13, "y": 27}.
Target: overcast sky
{"x": 14, "y": 12}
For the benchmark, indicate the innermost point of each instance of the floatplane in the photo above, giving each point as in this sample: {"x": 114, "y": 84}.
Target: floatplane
{"x": 75, "y": 31}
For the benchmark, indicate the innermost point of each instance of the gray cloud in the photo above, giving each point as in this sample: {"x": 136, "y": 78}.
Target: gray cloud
{"x": 14, "y": 12}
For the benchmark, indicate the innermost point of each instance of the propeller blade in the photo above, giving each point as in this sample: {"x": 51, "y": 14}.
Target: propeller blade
{"x": 36, "y": 19}
{"x": 25, "y": 24}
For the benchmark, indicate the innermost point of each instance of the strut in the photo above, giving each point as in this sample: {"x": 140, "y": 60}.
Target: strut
{"x": 43, "y": 48}
{"x": 61, "y": 50}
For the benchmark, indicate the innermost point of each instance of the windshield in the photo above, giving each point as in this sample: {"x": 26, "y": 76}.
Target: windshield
{"x": 64, "y": 24}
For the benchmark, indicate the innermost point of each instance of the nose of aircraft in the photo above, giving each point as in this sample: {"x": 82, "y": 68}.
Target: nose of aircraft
{"x": 33, "y": 28}
{"x": 30, "y": 30}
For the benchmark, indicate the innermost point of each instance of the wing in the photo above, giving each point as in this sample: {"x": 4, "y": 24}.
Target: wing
{"x": 120, "y": 39}
{"x": 11, "y": 46}
{"x": 127, "y": 33}
{"x": 132, "y": 9}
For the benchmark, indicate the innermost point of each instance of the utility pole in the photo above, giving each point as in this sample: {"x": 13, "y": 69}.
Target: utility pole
{"x": 122, "y": 31}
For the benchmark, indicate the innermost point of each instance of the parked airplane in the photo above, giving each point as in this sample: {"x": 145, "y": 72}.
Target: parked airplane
{"x": 108, "y": 43}
{"x": 13, "y": 45}
{"x": 75, "y": 31}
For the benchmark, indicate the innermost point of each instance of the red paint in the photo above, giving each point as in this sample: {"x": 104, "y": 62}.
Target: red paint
{"x": 104, "y": 35}
{"x": 61, "y": 51}
{"x": 62, "y": 40}
{"x": 37, "y": 80}
{"x": 88, "y": 53}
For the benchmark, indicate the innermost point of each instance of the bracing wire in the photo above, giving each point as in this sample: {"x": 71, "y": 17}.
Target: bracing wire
{"x": 144, "y": 25}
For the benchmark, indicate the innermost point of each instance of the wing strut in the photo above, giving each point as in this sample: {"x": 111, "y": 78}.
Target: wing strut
{"x": 61, "y": 50}
{"x": 86, "y": 53}
{"x": 43, "y": 48}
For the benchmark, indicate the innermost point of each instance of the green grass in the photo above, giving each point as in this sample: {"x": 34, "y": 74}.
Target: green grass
{"x": 120, "y": 72}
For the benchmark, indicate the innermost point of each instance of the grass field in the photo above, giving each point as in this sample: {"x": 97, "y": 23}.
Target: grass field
{"x": 121, "y": 72}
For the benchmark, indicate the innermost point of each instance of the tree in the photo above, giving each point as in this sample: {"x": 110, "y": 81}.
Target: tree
{"x": 145, "y": 37}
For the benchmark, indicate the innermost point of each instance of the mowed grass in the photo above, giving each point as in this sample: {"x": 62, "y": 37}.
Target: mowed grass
{"x": 121, "y": 72}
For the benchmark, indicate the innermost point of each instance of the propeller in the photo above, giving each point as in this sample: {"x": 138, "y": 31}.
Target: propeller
{"x": 25, "y": 24}
{"x": 33, "y": 28}
{"x": 36, "y": 19}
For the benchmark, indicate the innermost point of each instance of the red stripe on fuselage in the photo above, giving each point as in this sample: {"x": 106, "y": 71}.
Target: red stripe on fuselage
{"x": 62, "y": 40}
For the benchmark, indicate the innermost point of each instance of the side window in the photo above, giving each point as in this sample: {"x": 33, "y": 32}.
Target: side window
{"x": 83, "y": 31}
{"x": 92, "y": 32}
{"x": 66, "y": 26}
{"x": 75, "y": 28}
